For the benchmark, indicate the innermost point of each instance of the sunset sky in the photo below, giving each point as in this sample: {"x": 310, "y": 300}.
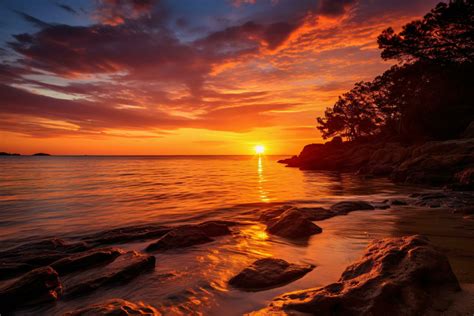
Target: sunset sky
{"x": 182, "y": 76}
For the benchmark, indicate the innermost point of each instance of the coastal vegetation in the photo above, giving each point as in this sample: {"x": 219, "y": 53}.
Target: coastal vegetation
{"x": 427, "y": 95}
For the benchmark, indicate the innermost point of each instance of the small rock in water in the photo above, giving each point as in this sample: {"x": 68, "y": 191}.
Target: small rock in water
{"x": 125, "y": 268}
{"x": 180, "y": 237}
{"x": 349, "y": 206}
{"x": 85, "y": 260}
{"x": 272, "y": 213}
{"x": 127, "y": 234}
{"x": 37, "y": 286}
{"x": 268, "y": 273}
{"x": 29, "y": 256}
{"x": 116, "y": 307}
{"x": 215, "y": 228}
{"x": 293, "y": 224}
{"x": 396, "y": 276}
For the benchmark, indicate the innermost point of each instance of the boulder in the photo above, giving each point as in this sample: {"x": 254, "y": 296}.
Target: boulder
{"x": 268, "y": 273}
{"x": 116, "y": 307}
{"x": 215, "y": 228}
{"x": 29, "y": 256}
{"x": 85, "y": 260}
{"x": 37, "y": 286}
{"x": 349, "y": 206}
{"x": 395, "y": 276}
{"x": 126, "y": 234}
{"x": 316, "y": 213}
{"x": 123, "y": 269}
{"x": 180, "y": 237}
{"x": 293, "y": 224}
{"x": 272, "y": 213}
{"x": 311, "y": 213}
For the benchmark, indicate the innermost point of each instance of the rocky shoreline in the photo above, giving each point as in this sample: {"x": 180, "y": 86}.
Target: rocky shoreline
{"x": 408, "y": 268}
{"x": 435, "y": 163}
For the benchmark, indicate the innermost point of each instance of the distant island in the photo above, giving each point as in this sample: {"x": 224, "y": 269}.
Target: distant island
{"x": 3, "y": 153}
{"x": 8, "y": 154}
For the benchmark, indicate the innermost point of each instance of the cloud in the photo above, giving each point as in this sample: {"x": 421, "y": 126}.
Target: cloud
{"x": 335, "y": 7}
{"x": 114, "y": 12}
{"x": 67, "y": 8}
{"x": 270, "y": 63}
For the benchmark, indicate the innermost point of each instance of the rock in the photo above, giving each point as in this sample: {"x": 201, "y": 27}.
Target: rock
{"x": 29, "y": 256}
{"x": 432, "y": 163}
{"x": 37, "y": 286}
{"x": 272, "y": 213}
{"x": 398, "y": 202}
{"x": 293, "y": 224}
{"x": 85, "y": 260}
{"x": 127, "y": 234}
{"x": 396, "y": 276}
{"x": 311, "y": 213}
{"x": 268, "y": 273}
{"x": 180, "y": 237}
{"x": 116, "y": 307}
{"x": 215, "y": 228}
{"x": 349, "y": 206}
{"x": 125, "y": 268}
{"x": 316, "y": 213}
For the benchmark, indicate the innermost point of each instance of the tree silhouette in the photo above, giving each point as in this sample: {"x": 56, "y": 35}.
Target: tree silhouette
{"x": 428, "y": 95}
{"x": 444, "y": 35}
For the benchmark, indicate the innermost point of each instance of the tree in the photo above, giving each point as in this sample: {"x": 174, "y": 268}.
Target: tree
{"x": 444, "y": 35}
{"x": 354, "y": 114}
{"x": 428, "y": 95}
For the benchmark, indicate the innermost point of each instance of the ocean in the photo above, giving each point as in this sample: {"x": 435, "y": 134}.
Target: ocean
{"x": 66, "y": 196}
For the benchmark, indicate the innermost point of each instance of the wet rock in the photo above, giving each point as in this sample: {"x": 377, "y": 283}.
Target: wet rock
{"x": 123, "y": 269}
{"x": 316, "y": 213}
{"x": 272, "y": 213}
{"x": 215, "y": 228}
{"x": 29, "y": 256}
{"x": 293, "y": 224}
{"x": 85, "y": 260}
{"x": 116, "y": 307}
{"x": 268, "y": 273}
{"x": 396, "y": 276}
{"x": 349, "y": 206}
{"x": 126, "y": 234}
{"x": 311, "y": 213}
{"x": 37, "y": 286}
{"x": 180, "y": 237}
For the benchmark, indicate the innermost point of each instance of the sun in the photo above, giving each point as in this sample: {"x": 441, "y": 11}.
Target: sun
{"x": 259, "y": 149}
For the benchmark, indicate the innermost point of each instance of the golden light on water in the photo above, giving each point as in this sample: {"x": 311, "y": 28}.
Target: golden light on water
{"x": 259, "y": 149}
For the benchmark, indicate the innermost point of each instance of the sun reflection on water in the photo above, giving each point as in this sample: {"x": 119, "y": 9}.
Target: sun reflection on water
{"x": 261, "y": 179}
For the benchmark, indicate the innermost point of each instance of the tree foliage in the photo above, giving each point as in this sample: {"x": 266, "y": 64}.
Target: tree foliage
{"x": 429, "y": 94}
{"x": 444, "y": 35}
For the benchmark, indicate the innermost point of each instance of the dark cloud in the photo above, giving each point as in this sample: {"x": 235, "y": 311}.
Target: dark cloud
{"x": 115, "y": 12}
{"x": 335, "y": 7}
{"x": 67, "y": 8}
